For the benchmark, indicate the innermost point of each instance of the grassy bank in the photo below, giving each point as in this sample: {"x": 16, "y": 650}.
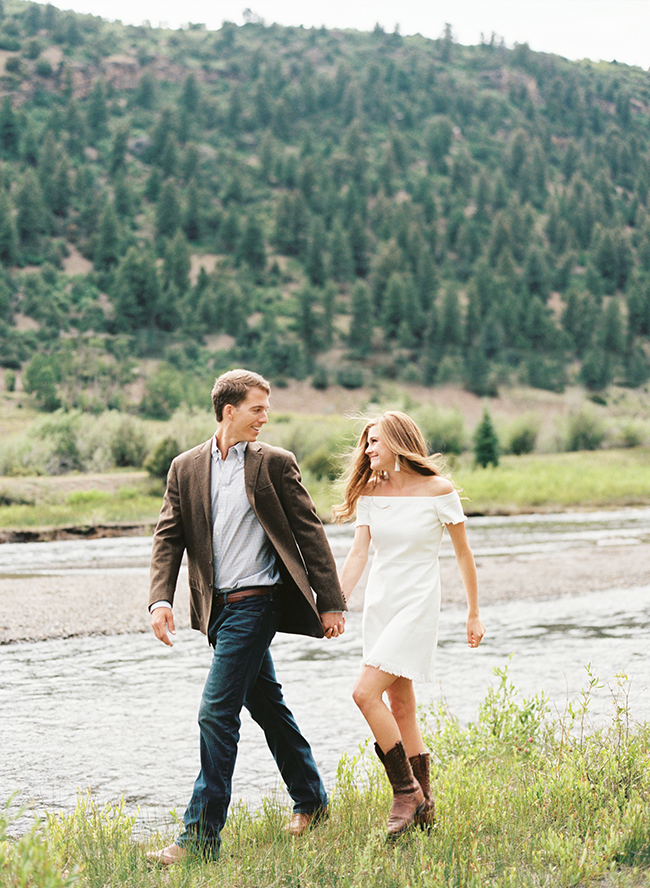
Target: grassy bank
{"x": 535, "y": 482}
{"x": 587, "y": 479}
{"x": 524, "y": 799}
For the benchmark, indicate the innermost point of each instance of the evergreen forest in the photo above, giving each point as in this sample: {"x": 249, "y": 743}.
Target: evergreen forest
{"x": 316, "y": 204}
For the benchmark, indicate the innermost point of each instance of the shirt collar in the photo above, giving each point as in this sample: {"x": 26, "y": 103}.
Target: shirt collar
{"x": 239, "y": 448}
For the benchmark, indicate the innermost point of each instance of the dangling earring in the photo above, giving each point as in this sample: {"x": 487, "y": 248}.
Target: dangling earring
{"x": 397, "y": 466}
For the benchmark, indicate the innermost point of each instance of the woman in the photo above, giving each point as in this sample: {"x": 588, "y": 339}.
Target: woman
{"x": 403, "y": 505}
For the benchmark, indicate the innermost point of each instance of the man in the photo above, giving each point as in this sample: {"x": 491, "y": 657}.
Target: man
{"x": 256, "y": 550}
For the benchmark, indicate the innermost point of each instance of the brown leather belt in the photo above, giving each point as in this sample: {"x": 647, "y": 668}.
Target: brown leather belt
{"x": 230, "y": 597}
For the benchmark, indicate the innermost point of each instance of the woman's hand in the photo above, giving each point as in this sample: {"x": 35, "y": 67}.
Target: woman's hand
{"x": 475, "y": 631}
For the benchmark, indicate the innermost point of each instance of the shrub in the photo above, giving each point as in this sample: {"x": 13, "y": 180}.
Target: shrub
{"x": 40, "y": 379}
{"x": 44, "y": 68}
{"x": 129, "y": 446}
{"x": 164, "y": 393}
{"x": 161, "y": 459}
{"x": 59, "y": 435}
{"x": 522, "y": 435}
{"x": 320, "y": 379}
{"x": 13, "y": 65}
{"x": 443, "y": 430}
{"x": 325, "y": 462}
{"x": 584, "y": 430}
{"x": 350, "y": 377}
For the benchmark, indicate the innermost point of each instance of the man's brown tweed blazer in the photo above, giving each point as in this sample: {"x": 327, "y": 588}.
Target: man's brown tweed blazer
{"x": 285, "y": 511}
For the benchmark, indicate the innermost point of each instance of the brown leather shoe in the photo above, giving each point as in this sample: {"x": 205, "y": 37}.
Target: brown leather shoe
{"x": 168, "y": 856}
{"x": 300, "y": 823}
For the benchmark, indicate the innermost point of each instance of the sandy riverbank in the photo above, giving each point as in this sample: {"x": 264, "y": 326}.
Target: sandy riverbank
{"x": 42, "y": 607}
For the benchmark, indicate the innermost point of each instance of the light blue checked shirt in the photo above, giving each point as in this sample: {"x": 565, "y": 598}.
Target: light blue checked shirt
{"x": 243, "y": 554}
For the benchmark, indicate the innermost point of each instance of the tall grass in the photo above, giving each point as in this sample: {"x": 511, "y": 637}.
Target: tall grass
{"x": 524, "y": 799}
{"x": 587, "y": 479}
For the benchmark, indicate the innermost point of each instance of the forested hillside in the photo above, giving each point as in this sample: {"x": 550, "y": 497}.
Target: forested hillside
{"x": 331, "y": 205}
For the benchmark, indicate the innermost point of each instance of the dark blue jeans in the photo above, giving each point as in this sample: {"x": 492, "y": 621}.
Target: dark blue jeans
{"x": 242, "y": 674}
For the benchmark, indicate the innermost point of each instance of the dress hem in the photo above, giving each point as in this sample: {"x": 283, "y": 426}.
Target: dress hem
{"x": 420, "y": 677}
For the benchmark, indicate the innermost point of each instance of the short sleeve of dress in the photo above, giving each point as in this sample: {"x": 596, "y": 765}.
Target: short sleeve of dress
{"x": 363, "y": 512}
{"x": 450, "y": 510}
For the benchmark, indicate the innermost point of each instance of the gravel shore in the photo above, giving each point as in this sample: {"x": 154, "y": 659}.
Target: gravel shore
{"x": 38, "y": 607}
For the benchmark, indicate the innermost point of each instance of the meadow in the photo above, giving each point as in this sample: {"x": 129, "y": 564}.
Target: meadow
{"x": 72, "y": 469}
{"x": 603, "y": 479}
{"x": 525, "y": 798}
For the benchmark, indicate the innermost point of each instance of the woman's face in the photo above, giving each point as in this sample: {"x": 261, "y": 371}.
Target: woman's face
{"x": 380, "y": 456}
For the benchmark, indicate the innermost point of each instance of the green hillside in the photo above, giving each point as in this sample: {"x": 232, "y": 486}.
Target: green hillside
{"x": 330, "y": 205}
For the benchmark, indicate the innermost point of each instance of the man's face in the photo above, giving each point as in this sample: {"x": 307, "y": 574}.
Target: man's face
{"x": 247, "y": 418}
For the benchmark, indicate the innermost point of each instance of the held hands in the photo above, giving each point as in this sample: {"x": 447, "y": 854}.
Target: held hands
{"x": 475, "y": 631}
{"x": 162, "y": 623}
{"x": 333, "y": 624}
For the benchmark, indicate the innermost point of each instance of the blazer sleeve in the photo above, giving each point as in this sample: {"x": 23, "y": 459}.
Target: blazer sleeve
{"x": 168, "y": 543}
{"x": 311, "y": 539}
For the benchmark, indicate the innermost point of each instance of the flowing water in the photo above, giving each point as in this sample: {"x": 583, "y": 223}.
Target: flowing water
{"x": 116, "y": 715}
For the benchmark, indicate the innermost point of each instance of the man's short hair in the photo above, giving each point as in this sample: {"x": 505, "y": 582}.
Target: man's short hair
{"x": 233, "y": 387}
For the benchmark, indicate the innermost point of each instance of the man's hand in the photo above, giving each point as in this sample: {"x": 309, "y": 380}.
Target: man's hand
{"x": 162, "y": 623}
{"x": 333, "y": 624}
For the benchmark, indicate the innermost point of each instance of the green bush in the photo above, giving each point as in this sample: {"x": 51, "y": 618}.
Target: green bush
{"x": 13, "y": 65}
{"x": 584, "y": 430}
{"x": 9, "y": 44}
{"x": 350, "y": 377}
{"x": 320, "y": 379}
{"x": 161, "y": 459}
{"x": 43, "y": 68}
{"x": 325, "y": 462}
{"x": 522, "y": 435}
{"x": 164, "y": 393}
{"x": 443, "y": 430}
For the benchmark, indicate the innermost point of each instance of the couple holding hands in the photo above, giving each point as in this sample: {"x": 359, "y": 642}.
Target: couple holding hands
{"x": 259, "y": 562}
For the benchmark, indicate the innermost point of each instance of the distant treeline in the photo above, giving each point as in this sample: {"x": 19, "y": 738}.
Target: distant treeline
{"x": 335, "y": 205}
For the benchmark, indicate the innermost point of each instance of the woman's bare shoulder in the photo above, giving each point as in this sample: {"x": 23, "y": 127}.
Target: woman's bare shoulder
{"x": 438, "y": 485}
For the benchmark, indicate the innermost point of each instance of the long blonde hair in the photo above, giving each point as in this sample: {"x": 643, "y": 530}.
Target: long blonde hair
{"x": 405, "y": 440}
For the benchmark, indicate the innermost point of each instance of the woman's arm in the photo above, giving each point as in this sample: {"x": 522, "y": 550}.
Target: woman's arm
{"x": 356, "y": 561}
{"x": 467, "y": 567}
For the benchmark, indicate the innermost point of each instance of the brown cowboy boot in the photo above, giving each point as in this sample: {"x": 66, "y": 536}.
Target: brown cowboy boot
{"x": 408, "y": 798}
{"x": 427, "y": 816}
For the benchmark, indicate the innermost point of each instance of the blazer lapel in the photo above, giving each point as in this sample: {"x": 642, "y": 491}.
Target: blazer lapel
{"x": 252, "y": 463}
{"x": 203, "y": 469}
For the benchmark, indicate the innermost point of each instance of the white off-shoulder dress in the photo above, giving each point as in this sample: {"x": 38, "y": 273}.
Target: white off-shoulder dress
{"x": 402, "y": 600}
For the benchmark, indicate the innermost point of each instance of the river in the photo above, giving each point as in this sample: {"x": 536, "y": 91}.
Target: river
{"x": 116, "y": 715}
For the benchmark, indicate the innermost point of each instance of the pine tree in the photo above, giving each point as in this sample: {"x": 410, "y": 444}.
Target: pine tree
{"x": 32, "y": 220}
{"x": 360, "y": 335}
{"x": 251, "y": 249}
{"x": 136, "y": 292}
{"x": 192, "y": 224}
{"x": 109, "y": 241}
{"x": 177, "y": 265}
{"x": 9, "y": 130}
{"x": 314, "y": 261}
{"x": 118, "y": 150}
{"x": 97, "y": 113}
{"x": 341, "y": 262}
{"x": 486, "y": 443}
{"x": 8, "y": 236}
{"x": 60, "y": 191}
{"x": 168, "y": 211}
